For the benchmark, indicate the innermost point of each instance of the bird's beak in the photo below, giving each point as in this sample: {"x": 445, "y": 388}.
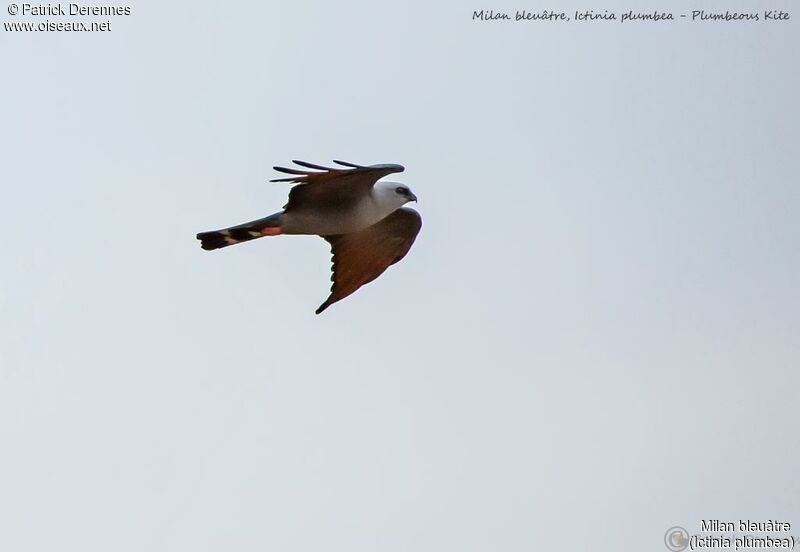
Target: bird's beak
{"x": 412, "y": 197}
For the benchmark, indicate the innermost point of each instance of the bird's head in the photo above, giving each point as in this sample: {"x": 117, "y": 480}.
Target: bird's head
{"x": 394, "y": 194}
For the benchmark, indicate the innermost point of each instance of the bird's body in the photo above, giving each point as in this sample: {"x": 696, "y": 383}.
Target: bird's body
{"x": 363, "y": 220}
{"x": 345, "y": 215}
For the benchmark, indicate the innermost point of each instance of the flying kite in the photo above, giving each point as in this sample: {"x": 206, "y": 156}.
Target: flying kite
{"x": 363, "y": 220}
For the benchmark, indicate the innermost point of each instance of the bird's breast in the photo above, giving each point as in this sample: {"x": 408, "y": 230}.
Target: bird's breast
{"x": 342, "y": 220}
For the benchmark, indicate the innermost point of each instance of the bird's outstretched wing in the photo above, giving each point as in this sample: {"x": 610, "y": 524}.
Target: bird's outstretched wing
{"x": 360, "y": 257}
{"x": 340, "y": 184}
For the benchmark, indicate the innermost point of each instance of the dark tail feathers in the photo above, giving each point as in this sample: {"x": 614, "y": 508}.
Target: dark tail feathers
{"x": 241, "y": 233}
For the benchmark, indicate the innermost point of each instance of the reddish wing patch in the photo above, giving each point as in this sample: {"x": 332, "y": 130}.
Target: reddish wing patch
{"x": 360, "y": 257}
{"x": 319, "y": 185}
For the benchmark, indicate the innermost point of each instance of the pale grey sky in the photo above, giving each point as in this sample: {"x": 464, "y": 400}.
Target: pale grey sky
{"x": 594, "y": 338}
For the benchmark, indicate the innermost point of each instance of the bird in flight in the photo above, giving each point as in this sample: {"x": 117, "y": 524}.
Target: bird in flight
{"x": 363, "y": 220}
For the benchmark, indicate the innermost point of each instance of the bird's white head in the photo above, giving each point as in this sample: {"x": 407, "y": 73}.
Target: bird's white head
{"x": 392, "y": 195}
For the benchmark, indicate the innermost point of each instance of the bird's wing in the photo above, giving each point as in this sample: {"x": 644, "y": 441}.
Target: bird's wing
{"x": 360, "y": 257}
{"x": 329, "y": 187}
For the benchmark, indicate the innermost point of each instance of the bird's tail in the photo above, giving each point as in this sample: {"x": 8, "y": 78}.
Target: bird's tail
{"x": 267, "y": 226}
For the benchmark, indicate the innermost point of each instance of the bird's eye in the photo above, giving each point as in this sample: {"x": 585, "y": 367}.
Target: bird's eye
{"x": 401, "y": 190}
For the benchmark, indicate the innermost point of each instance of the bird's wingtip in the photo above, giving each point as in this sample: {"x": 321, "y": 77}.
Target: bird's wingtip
{"x": 391, "y": 167}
